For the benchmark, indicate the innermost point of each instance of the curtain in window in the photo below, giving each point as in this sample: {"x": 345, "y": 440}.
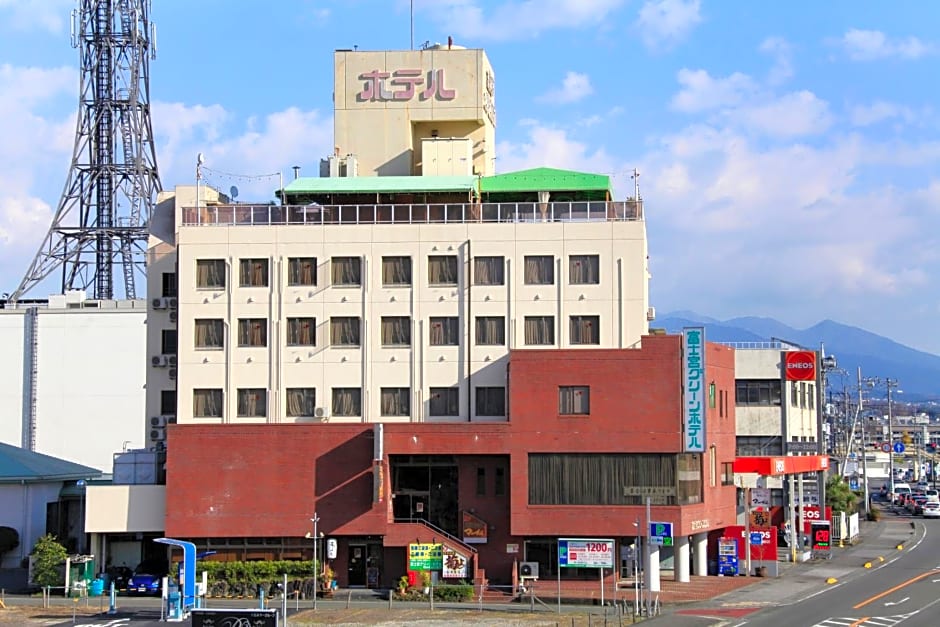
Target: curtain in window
{"x": 209, "y": 334}
{"x": 444, "y": 401}
{"x": 444, "y": 332}
{"x": 346, "y": 271}
{"x": 488, "y": 271}
{"x": 491, "y": 401}
{"x": 539, "y": 270}
{"x": 253, "y": 332}
{"x": 207, "y": 403}
{"x": 301, "y": 332}
{"x": 210, "y": 273}
{"x": 574, "y": 400}
{"x": 300, "y": 402}
{"x": 584, "y": 330}
{"x": 253, "y": 272}
{"x": 347, "y": 402}
{"x": 442, "y": 270}
{"x": 584, "y": 269}
{"x": 252, "y": 402}
{"x": 491, "y": 330}
{"x": 600, "y": 478}
{"x": 396, "y": 270}
{"x": 396, "y": 331}
{"x": 302, "y": 271}
{"x": 394, "y": 402}
{"x": 344, "y": 331}
{"x": 539, "y": 330}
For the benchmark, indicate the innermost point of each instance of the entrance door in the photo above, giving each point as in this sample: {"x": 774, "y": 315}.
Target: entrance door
{"x": 357, "y": 565}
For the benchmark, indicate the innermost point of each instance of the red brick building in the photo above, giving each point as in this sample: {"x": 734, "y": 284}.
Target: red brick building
{"x": 588, "y": 433}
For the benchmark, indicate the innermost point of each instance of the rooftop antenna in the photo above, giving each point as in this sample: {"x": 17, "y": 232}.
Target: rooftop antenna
{"x": 103, "y": 216}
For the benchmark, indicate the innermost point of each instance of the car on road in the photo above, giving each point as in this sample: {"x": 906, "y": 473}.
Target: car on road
{"x": 931, "y": 509}
{"x": 148, "y": 577}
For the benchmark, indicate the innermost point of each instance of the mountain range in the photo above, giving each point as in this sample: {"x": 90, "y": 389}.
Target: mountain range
{"x": 917, "y": 372}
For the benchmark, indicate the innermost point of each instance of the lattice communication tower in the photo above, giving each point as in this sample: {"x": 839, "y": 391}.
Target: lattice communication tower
{"x": 100, "y": 226}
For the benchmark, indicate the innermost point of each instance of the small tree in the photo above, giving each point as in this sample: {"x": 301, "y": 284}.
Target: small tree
{"x": 9, "y": 540}
{"x": 839, "y": 496}
{"x": 48, "y": 557}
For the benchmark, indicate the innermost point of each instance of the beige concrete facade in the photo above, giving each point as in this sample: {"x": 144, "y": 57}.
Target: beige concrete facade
{"x": 125, "y": 508}
{"x": 386, "y": 103}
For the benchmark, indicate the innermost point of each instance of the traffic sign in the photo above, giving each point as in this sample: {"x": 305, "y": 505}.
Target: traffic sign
{"x": 660, "y": 533}
{"x": 898, "y": 447}
{"x": 757, "y": 538}
{"x": 886, "y": 448}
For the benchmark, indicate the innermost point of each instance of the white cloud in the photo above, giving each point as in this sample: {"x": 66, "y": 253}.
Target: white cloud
{"x": 700, "y": 92}
{"x": 868, "y": 45}
{"x": 780, "y": 50}
{"x": 24, "y": 220}
{"x": 551, "y": 147}
{"x": 663, "y": 23}
{"x": 28, "y": 15}
{"x": 574, "y": 87}
{"x": 798, "y": 113}
{"x": 515, "y": 19}
{"x": 879, "y": 111}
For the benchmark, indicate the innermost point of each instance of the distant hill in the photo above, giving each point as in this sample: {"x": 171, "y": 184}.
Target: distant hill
{"x": 917, "y": 372}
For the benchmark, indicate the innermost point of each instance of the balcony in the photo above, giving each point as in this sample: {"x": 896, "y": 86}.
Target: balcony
{"x": 450, "y": 213}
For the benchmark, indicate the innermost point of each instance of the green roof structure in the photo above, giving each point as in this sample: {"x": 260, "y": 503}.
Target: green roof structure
{"x": 380, "y": 185}
{"x": 18, "y": 464}
{"x": 597, "y": 186}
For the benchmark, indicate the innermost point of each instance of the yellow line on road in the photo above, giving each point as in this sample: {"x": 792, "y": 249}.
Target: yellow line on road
{"x": 859, "y": 621}
{"x": 894, "y": 589}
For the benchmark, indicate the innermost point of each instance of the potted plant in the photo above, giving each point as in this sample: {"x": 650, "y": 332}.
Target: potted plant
{"x": 327, "y": 576}
{"x": 403, "y": 585}
{"x": 426, "y": 581}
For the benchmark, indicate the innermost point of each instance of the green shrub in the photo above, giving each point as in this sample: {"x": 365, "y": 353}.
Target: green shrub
{"x": 240, "y": 578}
{"x": 48, "y": 557}
{"x": 454, "y": 593}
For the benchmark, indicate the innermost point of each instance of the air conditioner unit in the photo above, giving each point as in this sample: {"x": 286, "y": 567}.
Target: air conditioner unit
{"x": 159, "y": 303}
{"x": 158, "y": 434}
{"x": 322, "y": 413}
{"x": 158, "y": 421}
{"x": 158, "y": 361}
{"x": 173, "y": 316}
{"x": 651, "y": 314}
{"x": 172, "y": 373}
{"x": 529, "y": 570}
{"x": 171, "y": 360}
{"x": 172, "y": 302}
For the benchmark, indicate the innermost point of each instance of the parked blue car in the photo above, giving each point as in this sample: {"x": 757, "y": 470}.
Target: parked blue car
{"x": 147, "y": 578}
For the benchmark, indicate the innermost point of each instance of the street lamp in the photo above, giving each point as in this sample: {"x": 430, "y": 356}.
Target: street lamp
{"x": 316, "y": 539}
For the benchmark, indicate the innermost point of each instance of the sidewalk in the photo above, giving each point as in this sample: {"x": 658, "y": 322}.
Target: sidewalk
{"x": 878, "y": 542}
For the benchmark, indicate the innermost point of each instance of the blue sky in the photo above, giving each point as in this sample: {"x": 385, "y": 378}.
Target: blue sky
{"x": 787, "y": 151}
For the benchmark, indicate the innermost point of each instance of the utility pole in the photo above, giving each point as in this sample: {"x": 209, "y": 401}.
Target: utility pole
{"x": 864, "y": 450}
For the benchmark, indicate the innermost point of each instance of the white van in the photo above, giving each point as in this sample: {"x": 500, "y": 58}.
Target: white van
{"x": 900, "y": 489}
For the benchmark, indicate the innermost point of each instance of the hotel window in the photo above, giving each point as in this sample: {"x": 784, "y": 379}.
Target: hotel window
{"x": 396, "y": 271}
{"x": 491, "y": 330}
{"x": 301, "y": 331}
{"x": 442, "y": 270}
{"x": 396, "y": 331}
{"x": 252, "y": 332}
{"x": 794, "y": 393}
{"x": 252, "y": 403}
{"x": 712, "y": 466}
{"x": 210, "y": 274}
{"x": 488, "y": 271}
{"x": 574, "y": 399}
{"x": 585, "y": 330}
{"x": 445, "y": 331}
{"x": 396, "y": 401}
{"x": 346, "y": 271}
{"x": 168, "y": 402}
{"x": 491, "y": 401}
{"x": 757, "y": 392}
{"x": 209, "y": 333}
{"x": 539, "y": 270}
{"x": 539, "y": 330}
{"x": 347, "y": 401}
{"x": 207, "y": 403}
{"x": 689, "y": 476}
{"x": 301, "y": 402}
{"x": 302, "y": 271}
{"x": 584, "y": 269}
{"x": 727, "y": 473}
{"x": 344, "y": 331}
{"x": 499, "y": 483}
{"x": 811, "y": 395}
{"x": 169, "y": 285}
{"x": 168, "y": 341}
{"x": 444, "y": 402}
{"x": 481, "y": 481}
{"x": 253, "y": 273}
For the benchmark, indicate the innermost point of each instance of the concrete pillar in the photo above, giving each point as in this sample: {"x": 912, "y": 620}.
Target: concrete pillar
{"x": 682, "y": 559}
{"x": 654, "y": 568}
{"x": 700, "y": 554}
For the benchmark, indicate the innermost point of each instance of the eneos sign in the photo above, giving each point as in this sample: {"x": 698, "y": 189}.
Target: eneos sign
{"x": 800, "y": 365}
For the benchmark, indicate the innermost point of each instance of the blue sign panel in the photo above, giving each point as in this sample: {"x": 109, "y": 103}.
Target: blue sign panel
{"x": 898, "y": 448}
{"x": 757, "y": 538}
{"x": 661, "y": 533}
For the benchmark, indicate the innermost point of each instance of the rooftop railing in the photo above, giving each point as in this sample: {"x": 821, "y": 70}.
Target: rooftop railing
{"x": 776, "y": 344}
{"x": 449, "y": 213}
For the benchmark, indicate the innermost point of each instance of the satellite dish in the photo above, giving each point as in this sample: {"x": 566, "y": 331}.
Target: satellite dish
{"x": 200, "y": 159}
{"x": 233, "y": 192}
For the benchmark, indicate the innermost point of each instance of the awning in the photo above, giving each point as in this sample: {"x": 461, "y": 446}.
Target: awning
{"x": 783, "y": 465}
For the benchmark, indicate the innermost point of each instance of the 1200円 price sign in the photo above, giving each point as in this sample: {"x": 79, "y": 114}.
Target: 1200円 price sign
{"x": 576, "y": 553}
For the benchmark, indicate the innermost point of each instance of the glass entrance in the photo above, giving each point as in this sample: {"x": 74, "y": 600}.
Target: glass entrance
{"x": 424, "y": 487}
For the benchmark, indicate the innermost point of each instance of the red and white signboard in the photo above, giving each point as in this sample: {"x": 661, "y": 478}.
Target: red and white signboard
{"x": 800, "y": 365}
{"x": 766, "y": 550}
{"x": 813, "y": 513}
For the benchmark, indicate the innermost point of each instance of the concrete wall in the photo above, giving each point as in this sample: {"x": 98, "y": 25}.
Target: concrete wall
{"x": 23, "y": 507}
{"x": 125, "y": 508}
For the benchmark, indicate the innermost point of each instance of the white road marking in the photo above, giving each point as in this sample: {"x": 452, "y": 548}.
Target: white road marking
{"x": 890, "y": 603}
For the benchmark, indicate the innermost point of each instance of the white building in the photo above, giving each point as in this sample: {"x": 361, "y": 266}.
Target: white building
{"x": 73, "y": 379}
